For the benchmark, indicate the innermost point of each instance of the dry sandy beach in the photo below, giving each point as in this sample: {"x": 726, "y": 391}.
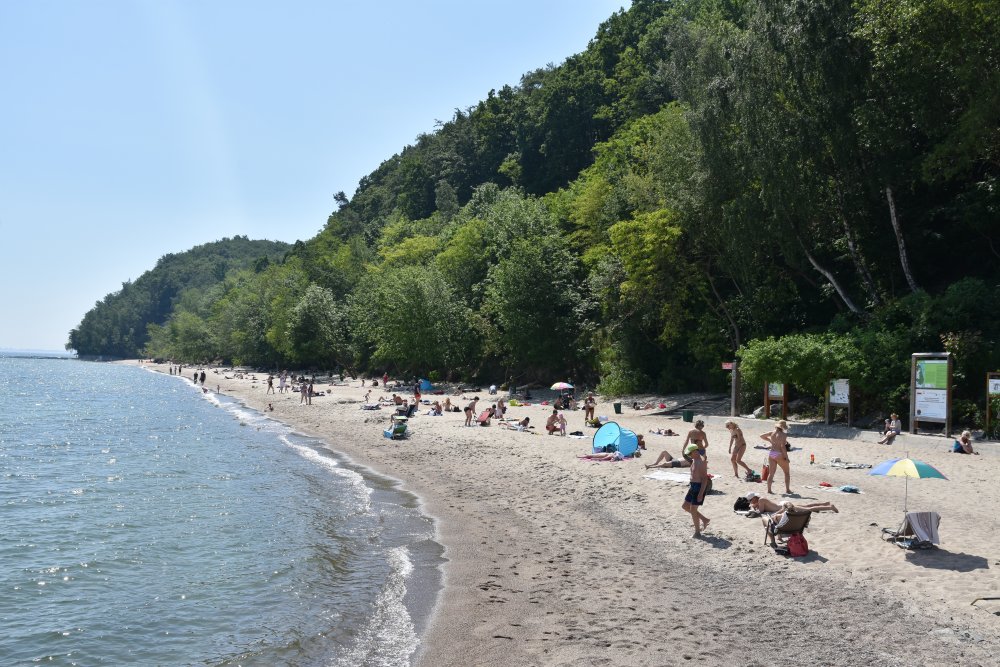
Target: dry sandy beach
{"x": 557, "y": 561}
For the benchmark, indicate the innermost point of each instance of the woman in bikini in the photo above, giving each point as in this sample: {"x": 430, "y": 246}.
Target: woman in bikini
{"x": 778, "y": 456}
{"x": 696, "y": 436}
{"x": 736, "y": 438}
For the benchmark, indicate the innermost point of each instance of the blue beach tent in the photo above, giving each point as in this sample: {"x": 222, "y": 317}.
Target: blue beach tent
{"x": 426, "y": 386}
{"x": 624, "y": 440}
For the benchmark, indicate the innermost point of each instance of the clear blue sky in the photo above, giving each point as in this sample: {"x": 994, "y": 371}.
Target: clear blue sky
{"x": 131, "y": 129}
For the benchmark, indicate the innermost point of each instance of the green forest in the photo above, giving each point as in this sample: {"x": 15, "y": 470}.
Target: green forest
{"x": 810, "y": 186}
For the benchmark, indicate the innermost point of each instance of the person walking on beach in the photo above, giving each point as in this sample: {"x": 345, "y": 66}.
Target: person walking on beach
{"x": 303, "y": 390}
{"x": 696, "y": 436}
{"x": 736, "y": 438}
{"x": 695, "y": 497}
{"x": 203, "y": 378}
{"x": 778, "y": 456}
{"x": 270, "y": 385}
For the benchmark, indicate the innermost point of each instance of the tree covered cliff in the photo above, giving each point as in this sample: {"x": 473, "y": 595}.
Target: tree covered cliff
{"x": 706, "y": 175}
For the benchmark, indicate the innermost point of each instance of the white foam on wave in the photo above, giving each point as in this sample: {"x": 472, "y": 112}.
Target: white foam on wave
{"x": 389, "y": 638}
{"x": 357, "y": 480}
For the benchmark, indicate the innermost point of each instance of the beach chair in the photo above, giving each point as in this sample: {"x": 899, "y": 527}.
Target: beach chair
{"x": 919, "y": 530}
{"x": 397, "y": 431}
{"x": 797, "y": 522}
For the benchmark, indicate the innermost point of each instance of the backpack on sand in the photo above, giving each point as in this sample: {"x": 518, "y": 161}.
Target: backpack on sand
{"x": 797, "y": 545}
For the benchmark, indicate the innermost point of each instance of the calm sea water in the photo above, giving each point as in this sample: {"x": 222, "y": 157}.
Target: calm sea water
{"x": 147, "y": 523}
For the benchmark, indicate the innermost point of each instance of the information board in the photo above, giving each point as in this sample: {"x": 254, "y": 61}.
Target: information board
{"x": 840, "y": 392}
{"x": 775, "y": 389}
{"x": 930, "y": 389}
{"x": 994, "y": 385}
{"x": 932, "y": 374}
{"x": 931, "y": 404}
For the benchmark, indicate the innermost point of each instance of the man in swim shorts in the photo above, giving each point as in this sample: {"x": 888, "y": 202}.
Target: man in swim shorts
{"x": 696, "y": 492}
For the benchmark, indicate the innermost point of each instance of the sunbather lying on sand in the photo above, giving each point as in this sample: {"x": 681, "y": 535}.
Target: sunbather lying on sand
{"x": 519, "y": 426}
{"x": 604, "y": 456}
{"x": 665, "y": 460}
{"x": 764, "y": 505}
{"x": 663, "y": 431}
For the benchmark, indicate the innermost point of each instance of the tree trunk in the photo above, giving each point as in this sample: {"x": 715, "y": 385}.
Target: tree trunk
{"x": 831, "y": 279}
{"x": 734, "y": 335}
{"x": 859, "y": 262}
{"x": 903, "y": 258}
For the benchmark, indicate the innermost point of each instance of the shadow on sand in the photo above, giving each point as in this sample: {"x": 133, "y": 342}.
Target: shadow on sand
{"x": 942, "y": 559}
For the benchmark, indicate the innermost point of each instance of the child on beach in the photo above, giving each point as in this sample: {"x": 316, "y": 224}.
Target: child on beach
{"x": 695, "y": 497}
{"x": 555, "y": 422}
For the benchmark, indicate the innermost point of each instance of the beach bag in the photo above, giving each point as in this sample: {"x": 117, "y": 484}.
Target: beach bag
{"x": 741, "y": 504}
{"x": 752, "y": 476}
{"x": 610, "y": 449}
{"x": 797, "y": 545}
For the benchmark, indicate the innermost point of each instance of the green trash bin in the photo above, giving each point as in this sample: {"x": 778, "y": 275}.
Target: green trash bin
{"x": 618, "y": 408}
{"x": 687, "y": 415}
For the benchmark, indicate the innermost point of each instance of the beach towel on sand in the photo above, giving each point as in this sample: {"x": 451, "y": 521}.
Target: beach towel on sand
{"x": 669, "y": 476}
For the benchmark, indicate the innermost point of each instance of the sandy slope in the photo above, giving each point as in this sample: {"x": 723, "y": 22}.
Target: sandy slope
{"x": 557, "y": 561}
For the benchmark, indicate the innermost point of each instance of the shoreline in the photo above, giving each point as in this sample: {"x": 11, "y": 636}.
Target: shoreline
{"x": 553, "y": 560}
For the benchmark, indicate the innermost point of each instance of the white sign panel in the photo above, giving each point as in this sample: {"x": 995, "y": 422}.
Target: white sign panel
{"x": 840, "y": 392}
{"x": 775, "y": 389}
{"x": 995, "y": 385}
{"x": 931, "y": 404}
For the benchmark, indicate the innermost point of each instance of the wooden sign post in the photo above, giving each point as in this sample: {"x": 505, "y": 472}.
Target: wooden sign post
{"x": 734, "y": 400}
{"x": 838, "y": 395}
{"x": 776, "y": 391}
{"x": 930, "y": 389}
{"x": 992, "y": 393}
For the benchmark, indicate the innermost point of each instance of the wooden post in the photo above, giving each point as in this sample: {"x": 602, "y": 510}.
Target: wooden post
{"x": 947, "y": 416}
{"x": 827, "y": 402}
{"x": 734, "y": 407}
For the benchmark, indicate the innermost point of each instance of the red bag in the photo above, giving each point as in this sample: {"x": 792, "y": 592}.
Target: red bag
{"x": 797, "y": 545}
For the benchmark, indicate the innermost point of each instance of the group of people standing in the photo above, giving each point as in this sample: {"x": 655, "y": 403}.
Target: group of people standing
{"x": 695, "y": 456}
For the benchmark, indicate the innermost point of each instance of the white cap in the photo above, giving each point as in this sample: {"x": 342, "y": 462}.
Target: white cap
{"x": 751, "y": 495}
